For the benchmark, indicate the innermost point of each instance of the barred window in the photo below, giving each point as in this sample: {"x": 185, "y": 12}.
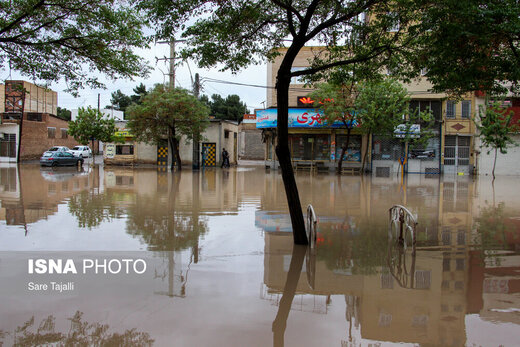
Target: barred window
{"x": 51, "y": 133}
{"x": 124, "y": 149}
{"x": 35, "y": 117}
{"x": 450, "y": 109}
{"x": 466, "y": 109}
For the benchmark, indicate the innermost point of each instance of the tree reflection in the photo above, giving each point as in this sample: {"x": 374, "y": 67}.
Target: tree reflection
{"x": 360, "y": 248}
{"x": 497, "y": 229}
{"x": 80, "y": 333}
{"x": 162, "y": 228}
{"x": 93, "y": 209}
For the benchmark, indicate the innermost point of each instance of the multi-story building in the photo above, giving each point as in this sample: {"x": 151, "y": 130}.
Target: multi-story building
{"x": 29, "y": 125}
{"x": 450, "y": 149}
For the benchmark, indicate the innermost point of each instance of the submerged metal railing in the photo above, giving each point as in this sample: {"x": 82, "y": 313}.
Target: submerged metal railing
{"x": 404, "y": 222}
{"x": 311, "y": 226}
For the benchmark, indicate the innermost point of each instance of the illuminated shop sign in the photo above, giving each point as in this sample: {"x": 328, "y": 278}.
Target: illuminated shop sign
{"x": 298, "y": 118}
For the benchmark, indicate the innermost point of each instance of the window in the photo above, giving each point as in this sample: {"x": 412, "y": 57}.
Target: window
{"x": 64, "y": 133}
{"x": 35, "y": 117}
{"x": 310, "y": 147}
{"x": 8, "y": 146}
{"x": 466, "y": 109}
{"x": 297, "y": 79}
{"x": 51, "y": 133}
{"x": 124, "y": 149}
{"x": 353, "y": 153}
{"x": 450, "y": 109}
{"x": 226, "y": 134}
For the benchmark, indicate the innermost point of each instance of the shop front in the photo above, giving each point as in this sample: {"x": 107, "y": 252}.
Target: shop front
{"x": 311, "y": 141}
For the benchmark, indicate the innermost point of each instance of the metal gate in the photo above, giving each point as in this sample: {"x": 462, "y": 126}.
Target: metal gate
{"x": 209, "y": 155}
{"x": 456, "y": 154}
{"x": 162, "y": 156}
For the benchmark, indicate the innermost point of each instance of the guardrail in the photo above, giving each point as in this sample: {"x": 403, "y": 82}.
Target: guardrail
{"x": 404, "y": 222}
{"x": 311, "y": 226}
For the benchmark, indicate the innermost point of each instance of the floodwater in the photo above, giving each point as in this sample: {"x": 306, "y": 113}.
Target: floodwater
{"x": 137, "y": 257}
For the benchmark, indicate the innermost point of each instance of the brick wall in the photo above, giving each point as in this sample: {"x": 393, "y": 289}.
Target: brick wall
{"x": 35, "y": 136}
{"x": 251, "y": 145}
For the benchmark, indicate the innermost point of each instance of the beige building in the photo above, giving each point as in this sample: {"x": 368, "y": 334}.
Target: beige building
{"x": 450, "y": 150}
{"x": 218, "y": 135}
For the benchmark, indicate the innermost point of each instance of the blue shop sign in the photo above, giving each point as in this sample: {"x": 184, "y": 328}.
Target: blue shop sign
{"x": 298, "y": 118}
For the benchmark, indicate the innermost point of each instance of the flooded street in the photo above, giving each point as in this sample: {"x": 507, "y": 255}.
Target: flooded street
{"x": 207, "y": 259}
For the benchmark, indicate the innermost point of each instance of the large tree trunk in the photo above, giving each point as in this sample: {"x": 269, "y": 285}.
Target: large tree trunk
{"x": 174, "y": 144}
{"x": 283, "y": 153}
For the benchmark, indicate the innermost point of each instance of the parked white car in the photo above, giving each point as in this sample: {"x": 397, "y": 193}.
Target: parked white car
{"x": 58, "y": 149}
{"x": 81, "y": 151}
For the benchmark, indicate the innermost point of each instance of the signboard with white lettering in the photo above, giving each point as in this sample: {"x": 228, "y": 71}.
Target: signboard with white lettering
{"x": 298, "y": 118}
{"x": 110, "y": 150}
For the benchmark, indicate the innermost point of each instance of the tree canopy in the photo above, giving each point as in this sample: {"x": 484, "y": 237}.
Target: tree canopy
{"x": 228, "y": 108}
{"x": 168, "y": 114}
{"x": 471, "y": 45}
{"x": 91, "y": 125}
{"x": 121, "y": 101}
{"x": 72, "y": 39}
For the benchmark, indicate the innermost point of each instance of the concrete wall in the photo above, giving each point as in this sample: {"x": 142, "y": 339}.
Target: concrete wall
{"x": 507, "y": 164}
{"x": 215, "y": 133}
{"x": 35, "y": 139}
{"x": 302, "y": 60}
{"x": 250, "y": 145}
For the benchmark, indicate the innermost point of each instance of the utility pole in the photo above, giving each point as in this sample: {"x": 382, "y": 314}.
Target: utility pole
{"x": 171, "y": 60}
{"x": 196, "y": 144}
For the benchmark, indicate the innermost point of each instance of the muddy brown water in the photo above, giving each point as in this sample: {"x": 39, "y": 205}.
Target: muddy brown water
{"x": 122, "y": 256}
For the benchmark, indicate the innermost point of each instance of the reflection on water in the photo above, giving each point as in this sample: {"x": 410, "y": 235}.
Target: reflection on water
{"x": 79, "y": 333}
{"x": 205, "y": 235}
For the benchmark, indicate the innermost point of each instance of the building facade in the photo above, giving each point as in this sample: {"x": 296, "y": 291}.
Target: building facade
{"x": 451, "y": 147}
{"x": 29, "y": 125}
{"x": 218, "y": 135}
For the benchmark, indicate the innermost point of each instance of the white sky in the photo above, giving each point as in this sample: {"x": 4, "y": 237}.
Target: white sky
{"x": 252, "y": 96}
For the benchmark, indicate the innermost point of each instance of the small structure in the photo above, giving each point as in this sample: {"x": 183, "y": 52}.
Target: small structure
{"x": 218, "y": 135}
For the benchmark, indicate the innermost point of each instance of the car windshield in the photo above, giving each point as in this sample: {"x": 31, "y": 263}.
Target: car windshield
{"x": 47, "y": 154}
{"x": 77, "y": 148}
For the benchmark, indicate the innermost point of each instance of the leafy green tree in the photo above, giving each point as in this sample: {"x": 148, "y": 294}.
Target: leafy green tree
{"x": 229, "y": 108}
{"x": 50, "y": 40}
{"x": 336, "y": 102}
{"x": 139, "y": 93}
{"x": 120, "y": 101}
{"x": 495, "y": 129}
{"x": 239, "y": 33}
{"x": 471, "y": 45}
{"x": 168, "y": 114}
{"x": 91, "y": 125}
{"x": 384, "y": 105}
{"x": 63, "y": 113}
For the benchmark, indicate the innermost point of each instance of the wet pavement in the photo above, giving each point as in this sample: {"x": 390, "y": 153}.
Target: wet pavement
{"x": 136, "y": 257}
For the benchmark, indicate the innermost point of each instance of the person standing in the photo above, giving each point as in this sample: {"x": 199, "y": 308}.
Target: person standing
{"x": 204, "y": 157}
{"x": 225, "y": 158}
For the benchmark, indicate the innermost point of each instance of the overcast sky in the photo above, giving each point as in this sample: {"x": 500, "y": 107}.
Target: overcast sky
{"x": 252, "y": 96}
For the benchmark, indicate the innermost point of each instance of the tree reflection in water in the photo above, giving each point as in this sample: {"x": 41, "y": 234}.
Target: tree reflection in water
{"x": 80, "y": 334}
{"x": 356, "y": 246}
{"x": 92, "y": 209}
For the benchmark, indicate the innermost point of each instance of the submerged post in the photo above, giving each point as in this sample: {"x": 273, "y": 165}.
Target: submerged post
{"x": 311, "y": 226}
{"x": 404, "y": 222}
